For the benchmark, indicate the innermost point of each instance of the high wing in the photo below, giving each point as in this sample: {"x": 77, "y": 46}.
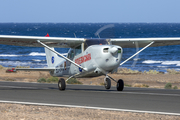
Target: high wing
{"x": 64, "y": 42}
{"x": 31, "y": 41}
{"x": 130, "y": 42}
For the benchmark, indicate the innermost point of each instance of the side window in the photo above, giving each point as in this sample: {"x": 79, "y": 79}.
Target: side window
{"x": 78, "y": 50}
{"x": 71, "y": 54}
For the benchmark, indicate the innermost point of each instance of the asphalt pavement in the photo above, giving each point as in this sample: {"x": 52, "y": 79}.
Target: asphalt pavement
{"x": 137, "y": 99}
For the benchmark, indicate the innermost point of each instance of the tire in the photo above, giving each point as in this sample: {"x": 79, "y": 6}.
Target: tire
{"x": 107, "y": 83}
{"x": 120, "y": 85}
{"x": 61, "y": 84}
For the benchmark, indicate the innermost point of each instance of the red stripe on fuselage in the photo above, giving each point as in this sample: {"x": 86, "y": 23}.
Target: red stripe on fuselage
{"x": 82, "y": 59}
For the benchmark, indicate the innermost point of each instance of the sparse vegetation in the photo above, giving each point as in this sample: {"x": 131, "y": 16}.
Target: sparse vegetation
{"x": 141, "y": 85}
{"x": 172, "y": 71}
{"x": 128, "y": 85}
{"x": 168, "y": 86}
{"x": 52, "y": 80}
{"x": 22, "y": 66}
{"x": 73, "y": 81}
{"x": 152, "y": 72}
{"x": 175, "y": 87}
{"x": 127, "y": 71}
{"x": 49, "y": 80}
{"x": 41, "y": 80}
{"x": 10, "y": 79}
{"x": 1, "y": 67}
{"x": 102, "y": 84}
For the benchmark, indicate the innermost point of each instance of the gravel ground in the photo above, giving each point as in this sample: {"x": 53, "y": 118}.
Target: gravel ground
{"x": 30, "y": 112}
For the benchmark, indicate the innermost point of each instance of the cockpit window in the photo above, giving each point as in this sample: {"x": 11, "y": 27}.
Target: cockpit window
{"x": 90, "y": 42}
{"x": 78, "y": 50}
{"x": 71, "y": 54}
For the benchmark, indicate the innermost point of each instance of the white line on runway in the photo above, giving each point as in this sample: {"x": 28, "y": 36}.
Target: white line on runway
{"x": 89, "y": 107}
{"x": 21, "y": 87}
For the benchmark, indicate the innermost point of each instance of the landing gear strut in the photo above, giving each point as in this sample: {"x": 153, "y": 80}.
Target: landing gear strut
{"x": 107, "y": 84}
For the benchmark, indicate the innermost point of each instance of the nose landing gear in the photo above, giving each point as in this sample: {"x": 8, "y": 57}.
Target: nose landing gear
{"x": 107, "y": 83}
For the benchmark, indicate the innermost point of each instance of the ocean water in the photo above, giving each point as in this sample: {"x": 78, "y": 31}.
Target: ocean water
{"x": 156, "y": 58}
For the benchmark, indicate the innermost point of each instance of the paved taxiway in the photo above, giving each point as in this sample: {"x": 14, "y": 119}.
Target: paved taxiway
{"x": 142, "y": 99}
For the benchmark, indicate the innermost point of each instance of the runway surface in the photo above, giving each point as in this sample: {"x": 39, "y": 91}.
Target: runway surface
{"x": 139, "y": 99}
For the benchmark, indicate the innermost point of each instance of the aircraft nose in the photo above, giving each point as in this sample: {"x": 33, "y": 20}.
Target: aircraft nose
{"x": 113, "y": 50}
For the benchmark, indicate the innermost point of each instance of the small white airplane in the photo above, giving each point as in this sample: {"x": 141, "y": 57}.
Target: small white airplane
{"x": 87, "y": 57}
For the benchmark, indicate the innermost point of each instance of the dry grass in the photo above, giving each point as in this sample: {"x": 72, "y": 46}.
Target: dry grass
{"x": 140, "y": 85}
{"x": 172, "y": 71}
{"x": 22, "y": 66}
{"x": 1, "y": 67}
{"x": 127, "y": 71}
{"x": 151, "y": 72}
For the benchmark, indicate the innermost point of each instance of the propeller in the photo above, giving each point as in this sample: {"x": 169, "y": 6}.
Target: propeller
{"x": 103, "y": 28}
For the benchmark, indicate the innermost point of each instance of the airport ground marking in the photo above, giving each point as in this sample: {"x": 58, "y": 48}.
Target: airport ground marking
{"x": 88, "y": 107}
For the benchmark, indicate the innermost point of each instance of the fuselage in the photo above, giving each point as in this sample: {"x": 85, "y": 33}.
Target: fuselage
{"x": 96, "y": 59}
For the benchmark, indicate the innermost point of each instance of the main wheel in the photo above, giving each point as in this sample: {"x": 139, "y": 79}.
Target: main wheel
{"x": 107, "y": 83}
{"x": 120, "y": 85}
{"x": 61, "y": 84}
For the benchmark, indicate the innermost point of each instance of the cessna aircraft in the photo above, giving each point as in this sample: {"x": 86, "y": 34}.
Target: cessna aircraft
{"x": 87, "y": 57}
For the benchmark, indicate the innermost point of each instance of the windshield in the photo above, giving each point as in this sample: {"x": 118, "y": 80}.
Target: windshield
{"x": 90, "y": 42}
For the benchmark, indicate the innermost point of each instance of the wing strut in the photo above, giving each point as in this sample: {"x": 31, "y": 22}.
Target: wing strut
{"x": 137, "y": 52}
{"x": 61, "y": 55}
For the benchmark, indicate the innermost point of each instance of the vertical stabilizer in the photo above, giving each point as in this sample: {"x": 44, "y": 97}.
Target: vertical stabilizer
{"x": 52, "y": 58}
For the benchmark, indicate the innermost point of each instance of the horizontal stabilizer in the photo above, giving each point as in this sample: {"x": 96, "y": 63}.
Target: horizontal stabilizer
{"x": 36, "y": 69}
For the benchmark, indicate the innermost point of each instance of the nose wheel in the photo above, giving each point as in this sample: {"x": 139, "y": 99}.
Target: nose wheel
{"x": 107, "y": 83}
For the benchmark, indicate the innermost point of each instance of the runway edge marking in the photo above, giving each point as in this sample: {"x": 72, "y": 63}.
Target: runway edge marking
{"x": 88, "y": 107}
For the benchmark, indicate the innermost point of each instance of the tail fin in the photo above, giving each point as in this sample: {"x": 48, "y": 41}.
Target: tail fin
{"x": 47, "y": 35}
{"x": 53, "y": 59}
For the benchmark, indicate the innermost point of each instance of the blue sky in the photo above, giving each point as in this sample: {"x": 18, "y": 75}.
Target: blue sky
{"x": 90, "y": 11}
